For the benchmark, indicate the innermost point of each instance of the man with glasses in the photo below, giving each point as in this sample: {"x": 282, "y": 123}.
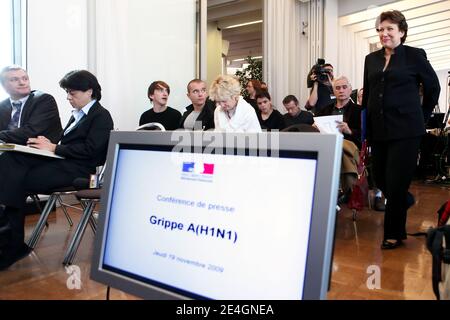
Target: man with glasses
{"x": 26, "y": 114}
{"x": 158, "y": 93}
{"x": 200, "y": 114}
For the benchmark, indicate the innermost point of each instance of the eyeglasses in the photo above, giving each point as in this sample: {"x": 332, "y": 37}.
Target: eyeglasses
{"x": 197, "y": 92}
{"x": 341, "y": 87}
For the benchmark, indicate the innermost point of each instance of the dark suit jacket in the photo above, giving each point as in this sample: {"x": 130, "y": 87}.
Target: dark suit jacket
{"x": 40, "y": 117}
{"x": 352, "y": 116}
{"x": 392, "y": 97}
{"x": 86, "y": 145}
{"x": 206, "y": 116}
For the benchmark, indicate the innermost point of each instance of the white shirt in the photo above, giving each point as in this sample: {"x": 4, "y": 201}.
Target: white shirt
{"x": 244, "y": 119}
{"x": 13, "y": 111}
{"x": 79, "y": 114}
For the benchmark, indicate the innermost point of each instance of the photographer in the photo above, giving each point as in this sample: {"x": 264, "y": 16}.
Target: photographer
{"x": 320, "y": 78}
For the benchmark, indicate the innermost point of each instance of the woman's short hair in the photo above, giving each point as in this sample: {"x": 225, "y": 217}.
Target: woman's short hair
{"x": 156, "y": 85}
{"x": 396, "y": 17}
{"x": 224, "y": 88}
{"x": 82, "y": 80}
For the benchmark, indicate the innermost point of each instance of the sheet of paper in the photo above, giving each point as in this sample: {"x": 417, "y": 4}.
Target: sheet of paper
{"x": 25, "y": 149}
{"x": 328, "y": 124}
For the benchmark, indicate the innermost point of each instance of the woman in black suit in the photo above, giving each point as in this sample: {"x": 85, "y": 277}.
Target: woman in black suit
{"x": 395, "y": 118}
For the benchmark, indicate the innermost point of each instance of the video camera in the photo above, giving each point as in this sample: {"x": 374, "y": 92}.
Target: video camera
{"x": 319, "y": 70}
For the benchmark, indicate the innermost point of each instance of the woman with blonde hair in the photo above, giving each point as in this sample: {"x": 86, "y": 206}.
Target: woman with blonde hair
{"x": 233, "y": 113}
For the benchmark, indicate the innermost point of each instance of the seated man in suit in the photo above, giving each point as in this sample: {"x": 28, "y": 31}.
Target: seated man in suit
{"x": 26, "y": 114}
{"x": 83, "y": 145}
{"x": 158, "y": 93}
{"x": 350, "y": 127}
{"x": 200, "y": 114}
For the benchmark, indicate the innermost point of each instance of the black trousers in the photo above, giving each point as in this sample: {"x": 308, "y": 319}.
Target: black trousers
{"x": 394, "y": 163}
{"x": 23, "y": 174}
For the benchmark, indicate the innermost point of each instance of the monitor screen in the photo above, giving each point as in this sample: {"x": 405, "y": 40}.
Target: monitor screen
{"x": 203, "y": 224}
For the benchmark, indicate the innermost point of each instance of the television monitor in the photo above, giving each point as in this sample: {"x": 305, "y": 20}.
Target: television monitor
{"x": 218, "y": 216}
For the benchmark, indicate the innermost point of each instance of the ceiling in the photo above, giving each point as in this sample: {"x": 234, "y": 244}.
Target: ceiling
{"x": 428, "y": 21}
{"x": 245, "y": 40}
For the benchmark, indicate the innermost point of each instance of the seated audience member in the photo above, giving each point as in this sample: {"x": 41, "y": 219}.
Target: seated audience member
{"x": 26, "y": 114}
{"x": 158, "y": 93}
{"x": 233, "y": 113}
{"x": 350, "y": 127}
{"x": 360, "y": 96}
{"x": 200, "y": 114}
{"x": 253, "y": 88}
{"x": 294, "y": 114}
{"x": 83, "y": 145}
{"x": 264, "y": 86}
{"x": 269, "y": 118}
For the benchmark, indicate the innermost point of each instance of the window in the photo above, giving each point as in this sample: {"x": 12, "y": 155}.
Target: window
{"x": 12, "y": 34}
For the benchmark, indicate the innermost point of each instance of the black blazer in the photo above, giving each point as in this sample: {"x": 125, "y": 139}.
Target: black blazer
{"x": 206, "y": 116}
{"x": 40, "y": 117}
{"x": 392, "y": 97}
{"x": 87, "y": 144}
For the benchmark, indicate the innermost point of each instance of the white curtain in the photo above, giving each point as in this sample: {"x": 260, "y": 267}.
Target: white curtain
{"x": 351, "y": 54}
{"x": 283, "y": 51}
{"x": 138, "y": 42}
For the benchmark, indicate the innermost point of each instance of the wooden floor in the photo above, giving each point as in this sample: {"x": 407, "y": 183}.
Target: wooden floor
{"x": 405, "y": 272}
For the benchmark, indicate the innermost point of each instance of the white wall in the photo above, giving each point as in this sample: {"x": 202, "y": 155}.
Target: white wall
{"x": 215, "y": 46}
{"x": 136, "y": 43}
{"x": 330, "y": 34}
{"x": 351, "y": 6}
{"x": 56, "y": 44}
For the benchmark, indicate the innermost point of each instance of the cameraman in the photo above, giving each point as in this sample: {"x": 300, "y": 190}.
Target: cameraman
{"x": 322, "y": 89}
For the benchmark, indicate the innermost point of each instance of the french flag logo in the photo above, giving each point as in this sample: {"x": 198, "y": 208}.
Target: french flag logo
{"x": 191, "y": 167}
{"x": 208, "y": 169}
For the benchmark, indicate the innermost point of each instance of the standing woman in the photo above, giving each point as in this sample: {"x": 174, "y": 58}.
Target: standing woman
{"x": 395, "y": 118}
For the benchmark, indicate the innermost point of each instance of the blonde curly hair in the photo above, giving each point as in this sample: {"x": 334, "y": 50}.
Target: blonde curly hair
{"x": 224, "y": 87}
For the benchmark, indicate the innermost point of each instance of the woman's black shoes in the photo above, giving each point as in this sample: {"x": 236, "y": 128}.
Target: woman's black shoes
{"x": 387, "y": 245}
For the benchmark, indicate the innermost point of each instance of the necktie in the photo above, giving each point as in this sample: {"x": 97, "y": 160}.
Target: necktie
{"x": 14, "y": 123}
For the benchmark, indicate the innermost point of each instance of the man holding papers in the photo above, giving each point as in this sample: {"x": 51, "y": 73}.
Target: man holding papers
{"x": 350, "y": 127}
{"x": 26, "y": 114}
{"x": 83, "y": 145}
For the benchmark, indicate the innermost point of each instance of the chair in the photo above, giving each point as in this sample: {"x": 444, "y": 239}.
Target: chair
{"x": 55, "y": 196}
{"x": 152, "y": 126}
{"x": 88, "y": 199}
